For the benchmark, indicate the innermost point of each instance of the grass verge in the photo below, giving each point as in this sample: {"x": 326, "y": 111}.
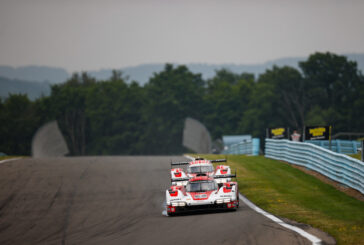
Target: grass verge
{"x": 356, "y": 156}
{"x": 9, "y": 157}
{"x": 288, "y": 192}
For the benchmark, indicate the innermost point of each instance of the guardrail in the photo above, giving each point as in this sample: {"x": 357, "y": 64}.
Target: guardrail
{"x": 340, "y": 146}
{"x": 244, "y": 148}
{"x": 339, "y": 167}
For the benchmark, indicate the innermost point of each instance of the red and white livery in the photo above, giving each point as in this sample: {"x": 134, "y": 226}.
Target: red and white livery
{"x": 197, "y": 167}
{"x": 202, "y": 193}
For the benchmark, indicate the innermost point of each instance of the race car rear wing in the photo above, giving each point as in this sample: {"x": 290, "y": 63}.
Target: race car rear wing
{"x": 218, "y": 160}
{"x": 180, "y": 179}
{"x": 225, "y": 176}
{"x": 186, "y": 163}
{"x": 178, "y": 163}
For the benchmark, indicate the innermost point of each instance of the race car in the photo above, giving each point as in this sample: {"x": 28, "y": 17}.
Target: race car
{"x": 199, "y": 166}
{"x": 202, "y": 193}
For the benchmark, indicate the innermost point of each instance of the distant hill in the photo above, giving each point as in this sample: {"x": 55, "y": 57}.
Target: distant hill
{"x": 32, "y": 89}
{"x": 35, "y": 73}
{"x": 141, "y": 73}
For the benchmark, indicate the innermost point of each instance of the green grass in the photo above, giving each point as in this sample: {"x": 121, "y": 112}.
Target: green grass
{"x": 357, "y": 156}
{"x": 9, "y": 157}
{"x": 288, "y": 192}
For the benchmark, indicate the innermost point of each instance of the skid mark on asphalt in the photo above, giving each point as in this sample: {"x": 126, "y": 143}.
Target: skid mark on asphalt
{"x": 7, "y": 200}
{"x": 55, "y": 197}
{"x": 69, "y": 206}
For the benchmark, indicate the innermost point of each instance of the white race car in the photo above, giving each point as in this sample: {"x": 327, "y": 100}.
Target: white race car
{"x": 199, "y": 166}
{"x": 202, "y": 193}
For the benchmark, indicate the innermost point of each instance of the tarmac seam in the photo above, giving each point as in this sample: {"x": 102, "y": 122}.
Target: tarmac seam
{"x": 315, "y": 240}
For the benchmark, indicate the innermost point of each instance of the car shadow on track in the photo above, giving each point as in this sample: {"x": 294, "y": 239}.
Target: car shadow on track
{"x": 202, "y": 212}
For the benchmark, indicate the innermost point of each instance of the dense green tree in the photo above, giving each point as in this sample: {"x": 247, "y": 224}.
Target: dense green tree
{"x": 277, "y": 101}
{"x": 289, "y": 95}
{"x": 332, "y": 86}
{"x": 172, "y": 95}
{"x": 19, "y": 122}
{"x": 227, "y": 97}
{"x": 262, "y": 111}
{"x": 68, "y": 102}
{"x": 354, "y": 116}
{"x": 116, "y": 116}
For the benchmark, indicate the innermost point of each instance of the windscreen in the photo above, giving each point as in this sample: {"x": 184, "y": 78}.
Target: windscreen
{"x": 200, "y": 169}
{"x": 201, "y": 186}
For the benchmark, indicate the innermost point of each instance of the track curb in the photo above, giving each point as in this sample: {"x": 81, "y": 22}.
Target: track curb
{"x": 10, "y": 159}
{"x": 315, "y": 240}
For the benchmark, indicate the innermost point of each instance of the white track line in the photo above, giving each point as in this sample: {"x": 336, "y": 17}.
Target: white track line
{"x": 315, "y": 240}
{"x": 10, "y": 159}
{"x": 312, "y": 238}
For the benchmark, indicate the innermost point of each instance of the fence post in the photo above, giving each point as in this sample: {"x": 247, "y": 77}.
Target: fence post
{"x": 255, "y": 146}
{"x": 338, "y": 146}
{"x": 355, "y": 149}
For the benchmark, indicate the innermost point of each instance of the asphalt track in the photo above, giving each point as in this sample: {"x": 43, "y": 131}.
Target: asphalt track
{"x": 114, "y": 200}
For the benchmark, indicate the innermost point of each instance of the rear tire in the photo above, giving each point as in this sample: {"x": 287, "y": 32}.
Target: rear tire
{"x": 237, "y": 198}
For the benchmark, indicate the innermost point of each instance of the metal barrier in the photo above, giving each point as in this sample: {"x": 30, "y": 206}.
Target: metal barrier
{"x": 340, "y": 146}
{"x": 339, "y": 167}
{"x": 244, "y": 148}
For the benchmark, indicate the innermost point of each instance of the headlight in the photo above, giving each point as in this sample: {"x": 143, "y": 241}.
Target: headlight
{"x": 226, "y": 200}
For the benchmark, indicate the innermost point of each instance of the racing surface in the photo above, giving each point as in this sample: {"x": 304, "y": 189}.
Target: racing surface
{"x": 114, "y": 200}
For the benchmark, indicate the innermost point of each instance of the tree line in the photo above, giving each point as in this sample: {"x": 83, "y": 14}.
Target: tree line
{"x": 115, "y": 116}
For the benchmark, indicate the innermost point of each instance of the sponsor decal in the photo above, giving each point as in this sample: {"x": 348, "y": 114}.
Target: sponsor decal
{"x": 200, "y": 196}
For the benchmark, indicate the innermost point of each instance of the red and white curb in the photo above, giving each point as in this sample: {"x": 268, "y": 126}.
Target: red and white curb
{"x": 315, "y": 240}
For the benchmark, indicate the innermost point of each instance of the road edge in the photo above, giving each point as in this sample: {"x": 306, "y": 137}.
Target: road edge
{"x": 315, "y": 240}
{"x": 9, "y": 160}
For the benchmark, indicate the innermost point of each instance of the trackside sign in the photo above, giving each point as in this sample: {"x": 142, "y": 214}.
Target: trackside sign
{"x": 318, "y": 133}
{"x": 277, "y": 133}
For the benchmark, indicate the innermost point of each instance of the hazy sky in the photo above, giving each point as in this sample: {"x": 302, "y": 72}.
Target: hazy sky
{"x": 93, "y": 34}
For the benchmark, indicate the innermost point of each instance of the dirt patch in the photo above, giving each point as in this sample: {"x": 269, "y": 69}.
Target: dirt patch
{"x": 347, "y": 190}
